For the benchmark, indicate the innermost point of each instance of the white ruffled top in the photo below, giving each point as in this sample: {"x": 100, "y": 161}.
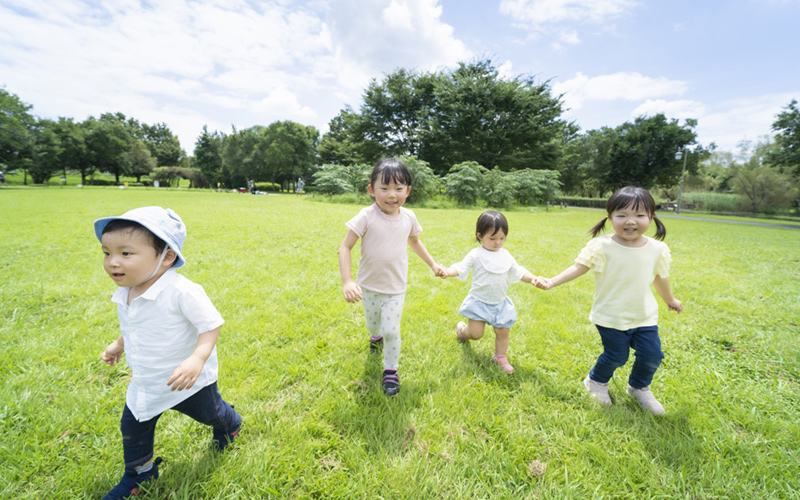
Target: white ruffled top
{"x": 492, "y": 272}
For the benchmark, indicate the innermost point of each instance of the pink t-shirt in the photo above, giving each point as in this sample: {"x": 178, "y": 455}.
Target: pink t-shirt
{"x": 383, "y": 266}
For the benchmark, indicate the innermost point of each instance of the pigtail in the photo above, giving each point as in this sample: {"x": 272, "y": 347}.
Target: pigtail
{"x": 661, "y": 231}
{"x": 599, "y": 227}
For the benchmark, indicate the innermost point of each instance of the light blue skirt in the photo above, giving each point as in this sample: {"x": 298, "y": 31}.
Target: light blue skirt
{"x": 502, "y": 315}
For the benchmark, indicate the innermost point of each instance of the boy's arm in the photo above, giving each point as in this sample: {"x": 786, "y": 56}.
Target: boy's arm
{"x": 351, "y": 290}
{"x": 662, "y": 288}
{"x": 113, "y": 352}
{"x": 185, "y": 375}
{"x": 416, "y": 244}
{"x": 568, "y": 274}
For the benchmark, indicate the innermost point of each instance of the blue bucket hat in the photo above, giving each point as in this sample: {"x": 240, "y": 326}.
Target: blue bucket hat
{"x": 165, "y": 224}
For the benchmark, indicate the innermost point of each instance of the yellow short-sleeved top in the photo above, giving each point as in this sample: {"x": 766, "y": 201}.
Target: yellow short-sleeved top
{"x": 622, "y": 276}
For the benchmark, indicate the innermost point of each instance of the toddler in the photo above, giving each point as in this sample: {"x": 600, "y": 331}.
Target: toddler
{"x": 169, "y": 334}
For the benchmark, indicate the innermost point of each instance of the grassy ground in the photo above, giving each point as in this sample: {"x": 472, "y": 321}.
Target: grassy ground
{"x": 294, "y": 360}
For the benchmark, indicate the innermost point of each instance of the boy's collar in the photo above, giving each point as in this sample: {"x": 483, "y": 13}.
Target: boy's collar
{"x": 121, "y": 295}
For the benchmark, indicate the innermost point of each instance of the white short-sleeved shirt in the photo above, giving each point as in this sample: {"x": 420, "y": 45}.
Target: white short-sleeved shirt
{"x": 492, "y": 272}
{"x": 622, "y": 276}
{"x": 160, "y": 330}
{"x": 383, "y": 265}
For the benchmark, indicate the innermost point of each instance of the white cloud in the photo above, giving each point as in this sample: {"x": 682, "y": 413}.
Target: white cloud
{"x": 730, "y": 122}
{"x": 629, "y": 86}
{"x": 570, "y": 37}
{"x": 366, "y": 43}
{"x": 538, "y": 14}
{"x": 681, "y": 109}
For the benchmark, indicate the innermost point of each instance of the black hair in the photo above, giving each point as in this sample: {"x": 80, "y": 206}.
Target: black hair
{"x": 390, "y": 170}
{"x": 637, "y": 198}
{"x": 489, "y": 223}
{"x": 129, "y": 225}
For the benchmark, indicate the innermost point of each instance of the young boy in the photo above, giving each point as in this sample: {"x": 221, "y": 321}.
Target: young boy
{"x": 169, "y": 334}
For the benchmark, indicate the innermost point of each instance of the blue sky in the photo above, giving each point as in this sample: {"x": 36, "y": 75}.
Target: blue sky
{"x": 187, "y": 63}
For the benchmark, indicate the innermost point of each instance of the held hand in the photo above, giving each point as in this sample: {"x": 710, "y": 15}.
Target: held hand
{"x": 439, "y": 271}
{"x": 675, "y": 305}
{"x": 352, "y": 292}
{"x": 112, "y": 354}
{"x": 543, "y": 283}
{"x": 185, "y": 375}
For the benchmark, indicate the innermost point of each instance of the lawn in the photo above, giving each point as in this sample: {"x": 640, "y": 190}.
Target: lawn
{"x": 294, "y": 360}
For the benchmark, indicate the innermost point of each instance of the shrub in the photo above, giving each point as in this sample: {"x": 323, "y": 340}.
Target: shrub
{"x": 333, "y": 179}
{"x": 424, "y": 181}
{"x": 464, "y": 182}
{"x": 498, "y": 188}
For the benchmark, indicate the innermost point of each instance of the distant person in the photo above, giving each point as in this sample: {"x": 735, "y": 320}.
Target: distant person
{"x": 385, "y": 229}
{"x": 169, "y": 335}
{"x": 252, "y": 184}
{"x": 300, "y": 185}
{"x": 2, "y": 179}
{"x": 624, "y": 310}
{"x": 493, "y": 269}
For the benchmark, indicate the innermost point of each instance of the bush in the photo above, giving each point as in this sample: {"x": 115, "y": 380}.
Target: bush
{"x": 498, "y": 188}
{"x": 714, "y": 202}
{"x": 425, "y": 183}
{"x": 333, "y": 179}
{"x": 464, "y": 183}
{"x": 533, "y": 187}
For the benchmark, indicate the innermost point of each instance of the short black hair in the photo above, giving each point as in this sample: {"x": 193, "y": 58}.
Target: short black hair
{"x": 129, "y": 225}
{"x": 490, "y": 222}
{"x": 390, "y": 170}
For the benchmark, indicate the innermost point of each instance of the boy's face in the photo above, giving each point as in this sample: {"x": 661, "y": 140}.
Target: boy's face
{"x": 130, "y": 257}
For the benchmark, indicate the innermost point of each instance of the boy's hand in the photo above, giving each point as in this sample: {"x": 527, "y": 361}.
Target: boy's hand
{"x": 352, "y": 292}
{"x": 185, "y": 375}
{"x": 675, "y": 305}
{"x": 113, "y": 353}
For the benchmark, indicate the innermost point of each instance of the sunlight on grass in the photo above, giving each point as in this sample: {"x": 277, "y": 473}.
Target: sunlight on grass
{"x": 294, "y": 360}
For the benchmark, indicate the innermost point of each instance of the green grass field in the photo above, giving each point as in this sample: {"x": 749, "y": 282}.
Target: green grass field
{"x": 295, "y": 362}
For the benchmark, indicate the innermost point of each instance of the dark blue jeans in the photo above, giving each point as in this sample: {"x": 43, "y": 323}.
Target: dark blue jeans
{"x": 616, "y": 349}
{"x": 207, "y": 407}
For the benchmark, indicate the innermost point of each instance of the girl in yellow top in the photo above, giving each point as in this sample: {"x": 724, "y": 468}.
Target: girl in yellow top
{"x": 624, "y": 309}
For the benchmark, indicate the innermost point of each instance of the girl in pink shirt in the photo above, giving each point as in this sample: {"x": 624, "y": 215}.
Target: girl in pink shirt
{"x": 385, "y": 228}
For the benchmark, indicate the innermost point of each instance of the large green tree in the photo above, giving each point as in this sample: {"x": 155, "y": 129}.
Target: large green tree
{"x": 208, "y": 156}
{"x": 290, "y": 151}
{"x": 642, "y": 153}
{"x": 46, "y": 151}
{"x": 108, "y": 142}
{"x": 344, "y": 142}
{"x": 74, "y": 155}
{"x": 479, "y": 116}
{"x": 787, "y": 128}
{"x": 164, "y": 146}
{"x": 397, "y": 111}
{"x": 452, "y": 116}
{"x": 16, "y": 132}
{"x": 140, "y": 161}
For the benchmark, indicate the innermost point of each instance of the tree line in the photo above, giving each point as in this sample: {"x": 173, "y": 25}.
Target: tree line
{"x": 470, "y": 122}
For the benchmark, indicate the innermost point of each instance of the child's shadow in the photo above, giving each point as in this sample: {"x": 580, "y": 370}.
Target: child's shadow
{"x": 380, "y": 423}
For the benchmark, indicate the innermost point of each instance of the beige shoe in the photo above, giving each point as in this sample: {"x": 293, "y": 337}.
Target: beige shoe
{"x": 647, "y": 400}
{"x": 597, "y": 390}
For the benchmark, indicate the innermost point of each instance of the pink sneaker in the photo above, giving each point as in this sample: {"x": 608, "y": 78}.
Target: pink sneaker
{"x": 504, "y": 364}
{"x": 460, "y": 328}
